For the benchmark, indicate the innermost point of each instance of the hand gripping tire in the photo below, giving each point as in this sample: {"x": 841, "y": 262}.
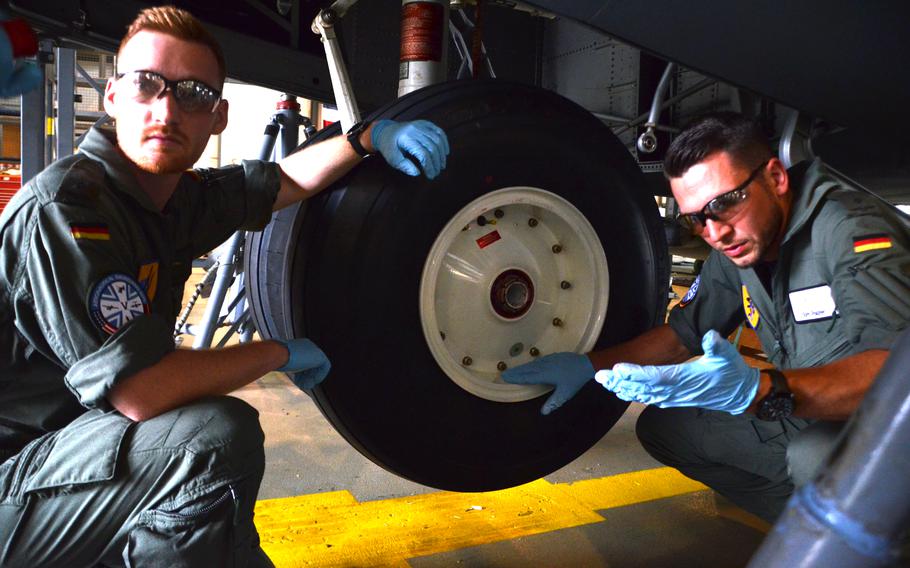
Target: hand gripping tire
{"x": 414, "y": 383}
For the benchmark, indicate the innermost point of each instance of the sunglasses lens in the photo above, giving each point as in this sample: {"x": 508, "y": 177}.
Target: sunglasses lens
{"x": 726, "y": 205}
{"x": 146, "y": 86}
{"x": 193, "y": 96}
{"x": 690, "y": 223}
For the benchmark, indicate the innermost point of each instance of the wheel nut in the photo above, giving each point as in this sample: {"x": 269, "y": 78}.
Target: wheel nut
{"x": 467, "y": 361}
{"x": 532, "y": 222}
{"x": 502, "y": 366}
{"x": 565, "y": 284}
{"x": 557, "y": 322}
{"x": 534, "y": 351}
{"x": 498, "y": 214}
{"x": 557, "y": 249}
{"x": 481, "y": 221}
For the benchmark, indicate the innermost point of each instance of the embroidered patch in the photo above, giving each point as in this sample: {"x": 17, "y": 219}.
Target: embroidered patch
{"x": 690, "y": 295}
{"x": 752, "y": 315}
{"x": 148, "y": 279}
{"x": 812, "y": 304}
{"x": 115, "y": 300}
{"x": 871, "y": 242}
{"x": 96, "y": 232}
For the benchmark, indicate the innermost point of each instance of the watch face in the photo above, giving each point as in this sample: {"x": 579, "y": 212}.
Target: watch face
{"x": 776, "y": 407}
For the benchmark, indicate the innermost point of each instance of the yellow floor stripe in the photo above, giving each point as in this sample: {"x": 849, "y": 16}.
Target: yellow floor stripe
{"x": 333, "y": 529}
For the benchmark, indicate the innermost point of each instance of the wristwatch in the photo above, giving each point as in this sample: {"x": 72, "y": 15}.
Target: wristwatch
{"x": 354, "y": 137}
{"x": 779, "y": 402}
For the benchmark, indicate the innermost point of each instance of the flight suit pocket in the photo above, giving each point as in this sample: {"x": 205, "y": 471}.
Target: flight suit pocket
{"x": 85, "y": 451}
{"x": 767, "y": 430}
{"x": 201, "y": 533}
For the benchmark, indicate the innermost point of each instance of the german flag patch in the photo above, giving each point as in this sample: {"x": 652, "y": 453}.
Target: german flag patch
{"x": 871, "y": 242}
{"x": 96, "y": 232}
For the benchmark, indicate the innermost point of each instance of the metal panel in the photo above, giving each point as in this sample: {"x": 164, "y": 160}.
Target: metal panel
{"x": 843, "y": 61}
{"x": 66, "y": 105}
{"x": 595, "y": 71}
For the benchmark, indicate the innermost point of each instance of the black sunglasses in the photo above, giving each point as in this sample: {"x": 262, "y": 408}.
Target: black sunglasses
{"x": 191, "y": 95}
{"x": 722, "y": 207}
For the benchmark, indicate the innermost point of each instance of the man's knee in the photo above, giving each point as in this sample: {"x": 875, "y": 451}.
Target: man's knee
{"x": 655, "y": 428}
{"x": 809, "y": 450}
{"x": 221, "y": 425}
{"x": 227, "y": 421}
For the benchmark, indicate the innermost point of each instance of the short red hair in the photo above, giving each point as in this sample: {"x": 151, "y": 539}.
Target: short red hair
{"x": 179, "y": 23}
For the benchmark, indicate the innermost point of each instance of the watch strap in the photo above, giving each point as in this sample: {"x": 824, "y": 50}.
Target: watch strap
{"x": 778, "y": 381}
{"x": 353, "y": 136}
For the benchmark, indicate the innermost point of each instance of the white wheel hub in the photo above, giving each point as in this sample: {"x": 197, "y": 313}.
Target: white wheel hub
{"x": 517, "y": 274}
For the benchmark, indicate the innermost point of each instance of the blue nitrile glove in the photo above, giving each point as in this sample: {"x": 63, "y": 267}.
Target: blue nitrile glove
{"x": 17, "y": 77}
{"x": 718, "y": 380}
{"x": 307, "y": 365}
{"x": 420, "y": 139}
{"x": 568, "y": 372}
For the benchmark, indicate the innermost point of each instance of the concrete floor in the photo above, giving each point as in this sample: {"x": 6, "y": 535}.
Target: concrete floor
{"x": 324, "y": 504}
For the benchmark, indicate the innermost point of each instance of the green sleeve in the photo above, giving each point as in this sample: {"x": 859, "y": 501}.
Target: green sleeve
{"x": 713, "y": 302}
{"x": 72, "y": 251}
{"x": 866, "y": 256}
{"x": 212, "y": 204}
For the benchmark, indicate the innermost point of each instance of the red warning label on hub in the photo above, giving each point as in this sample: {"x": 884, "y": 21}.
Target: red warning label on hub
{"x": 488, "y": 239}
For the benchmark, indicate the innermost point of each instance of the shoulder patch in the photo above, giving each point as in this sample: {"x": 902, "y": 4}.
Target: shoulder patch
{"x": 752, "y": 314}
{"x": 148, "y": 279}
{"x": 871, "y": 242}
{"x": 115, "y": 300}
{"x": 690, "y": 294}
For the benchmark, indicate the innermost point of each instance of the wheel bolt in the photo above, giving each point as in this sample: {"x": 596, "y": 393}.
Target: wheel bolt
{"x": 498, "y": 214}
{"x": 557, "y": 322}
{"x": 481, "y": 221}
{"x": 557, "y": 249}
{"x": 502, "y": 366}
{"x": 565, "y": 284}
{"x": 532, "y": 222}
{"x": 534, "y": 351}
{"x": 467, "y": 361}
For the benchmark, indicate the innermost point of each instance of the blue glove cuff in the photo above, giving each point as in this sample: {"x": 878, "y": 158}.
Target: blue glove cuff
{"x": 750, "y": 389}
{"x": 376, "y": 132}
{"x": 300, "y": 358}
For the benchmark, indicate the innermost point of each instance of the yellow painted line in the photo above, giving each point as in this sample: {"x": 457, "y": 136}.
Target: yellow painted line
{"x": 334, "y": 529}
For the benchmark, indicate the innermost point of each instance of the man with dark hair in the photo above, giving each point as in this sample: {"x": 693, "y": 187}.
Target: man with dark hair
{"x": 115, "y": 447}
{"x": 819, "y": 269}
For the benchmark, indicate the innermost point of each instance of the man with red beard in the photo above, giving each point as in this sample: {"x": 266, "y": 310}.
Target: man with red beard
{"x": 820, "y": 271}
{"x": 117, "y": 448}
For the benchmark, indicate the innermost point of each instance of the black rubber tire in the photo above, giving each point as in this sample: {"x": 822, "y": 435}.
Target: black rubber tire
{"x": 351, "y": 273}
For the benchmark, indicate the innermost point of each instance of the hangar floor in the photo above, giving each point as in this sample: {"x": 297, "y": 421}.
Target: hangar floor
{"x": 323, "y": 504}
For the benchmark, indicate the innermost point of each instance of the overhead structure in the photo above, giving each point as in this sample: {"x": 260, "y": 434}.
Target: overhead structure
{"x": 844, "y": 62}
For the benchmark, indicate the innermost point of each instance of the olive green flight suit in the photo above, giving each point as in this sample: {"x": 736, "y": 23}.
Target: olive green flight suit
{"x": 840, "y": 286}
{"x": 91, "y": 281}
